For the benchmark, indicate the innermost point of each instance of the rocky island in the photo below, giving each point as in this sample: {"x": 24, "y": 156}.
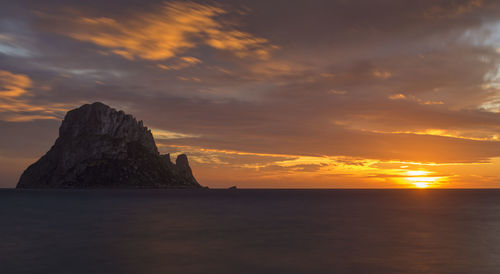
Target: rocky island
{"x": 100, "y": 147}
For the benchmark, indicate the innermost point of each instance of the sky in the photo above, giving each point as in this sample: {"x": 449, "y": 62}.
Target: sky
{"x": 267, "y": 94}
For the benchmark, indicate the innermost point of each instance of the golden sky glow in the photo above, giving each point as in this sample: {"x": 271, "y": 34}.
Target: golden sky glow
{"x": 332, "y": 94}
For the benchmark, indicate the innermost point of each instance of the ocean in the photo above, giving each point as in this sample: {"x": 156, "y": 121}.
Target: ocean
{"x": 249, "y": 231}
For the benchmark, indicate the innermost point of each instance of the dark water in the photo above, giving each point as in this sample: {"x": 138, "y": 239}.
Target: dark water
{"x": 250, "y": 231}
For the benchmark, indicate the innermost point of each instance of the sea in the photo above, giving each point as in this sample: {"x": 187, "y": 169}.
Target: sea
{"x": 249, "y": 231}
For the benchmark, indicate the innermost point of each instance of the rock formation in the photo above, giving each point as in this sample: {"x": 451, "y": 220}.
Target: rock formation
{"x": 99, "y": 147}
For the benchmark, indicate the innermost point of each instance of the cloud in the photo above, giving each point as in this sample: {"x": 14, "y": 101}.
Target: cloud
{"x": 454, "y": 9}
{"x": 160, "y": 134}
{"x": 400, "y": 96}
{"x": 13, "y": 85}
{"x": 167, "y": 32}
{"x": 382, "y": 74}
{"x": 13, "y": 46}
{"x": 15, "y": 106}
{"x": 271, "y": 170}
{"x": 337, "y": 92}
{"x": 181, "y": 63}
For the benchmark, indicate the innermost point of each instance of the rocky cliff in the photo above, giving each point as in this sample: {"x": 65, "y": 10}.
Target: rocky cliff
{"x": 99, "y": 147}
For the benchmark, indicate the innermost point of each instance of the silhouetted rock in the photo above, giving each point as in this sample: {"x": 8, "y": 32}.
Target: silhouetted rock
{"x": 99, "y": 147}
{"x": 232, "y": 187}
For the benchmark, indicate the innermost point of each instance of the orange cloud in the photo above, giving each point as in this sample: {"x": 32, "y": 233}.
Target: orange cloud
{"x": 248, "y": 169}
{"x": 167, "y": 32}
{"x": 15, "y": 105}
{"x": 337, "y": 92}
{"x": 181, "y": 63}
{"x": 13, "y": 85}
{"x": 382, "y": 74}
{"x": 400, "y": 96}
{"x": 454, "y": 9}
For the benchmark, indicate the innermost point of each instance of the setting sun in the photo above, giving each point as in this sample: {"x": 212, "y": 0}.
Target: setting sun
{"x": 421, "y": 185}
{"x": 417, "y": 178}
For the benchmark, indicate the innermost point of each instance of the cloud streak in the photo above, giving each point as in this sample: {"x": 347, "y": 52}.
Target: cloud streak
{"x": 15, "y": 104}
{"x": 171, "y": 30}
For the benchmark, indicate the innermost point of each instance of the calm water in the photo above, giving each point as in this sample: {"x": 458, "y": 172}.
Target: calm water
{"x": 250, "y": 231}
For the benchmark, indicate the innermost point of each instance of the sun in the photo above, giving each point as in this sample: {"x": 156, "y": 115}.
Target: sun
{"x": 421, "y": 184}
{"x": 418, "y": 179}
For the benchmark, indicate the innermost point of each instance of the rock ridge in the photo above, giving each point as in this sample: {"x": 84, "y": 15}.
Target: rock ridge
{"x": 100, "y": 147}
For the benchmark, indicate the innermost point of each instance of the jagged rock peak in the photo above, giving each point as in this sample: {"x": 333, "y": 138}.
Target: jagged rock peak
{"x": 100, "y": 119}
{"x": 100, "y": 147}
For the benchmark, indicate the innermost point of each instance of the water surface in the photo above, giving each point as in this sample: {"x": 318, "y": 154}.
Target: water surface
{"x": 249, "y": 231}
